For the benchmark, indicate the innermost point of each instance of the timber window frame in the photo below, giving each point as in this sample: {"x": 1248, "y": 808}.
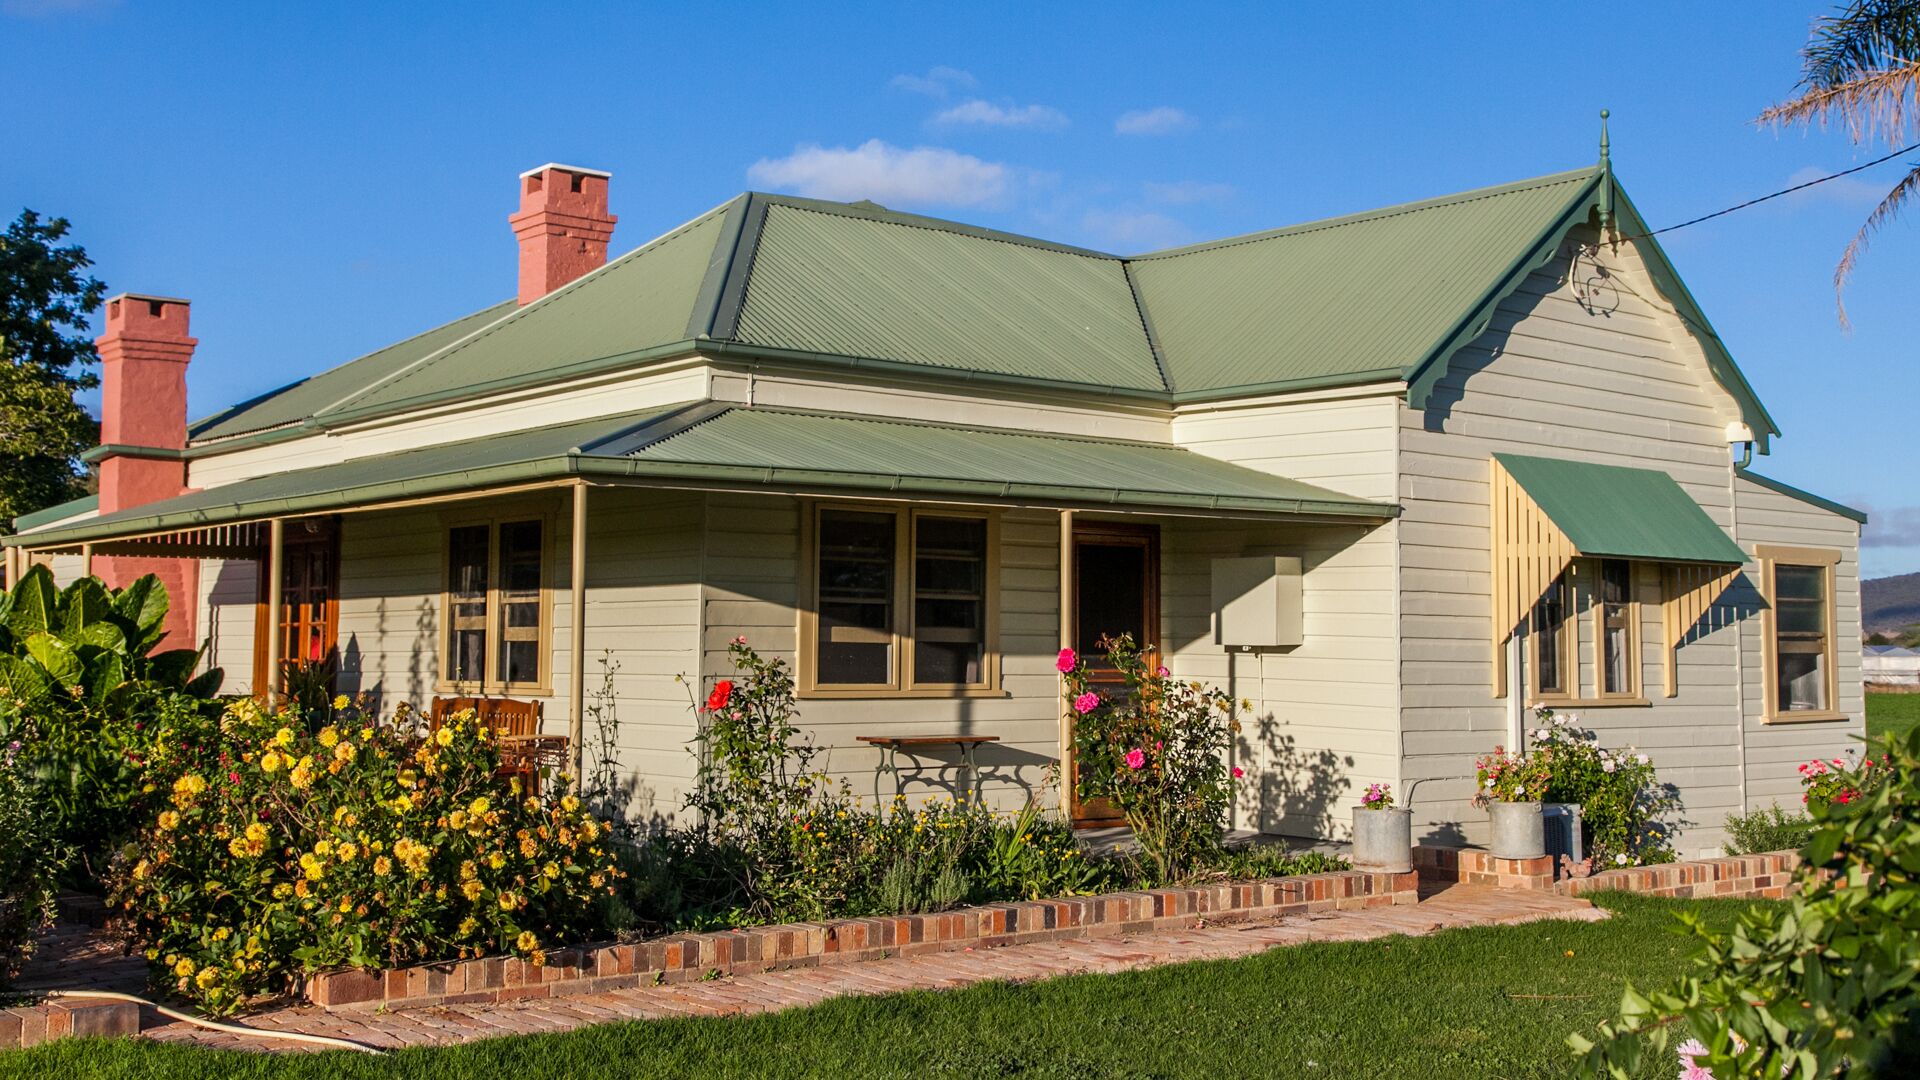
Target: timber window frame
{"x": 1824, "y": 562}
{"x": 498, "y": 604}
{"x": 903, "y": 590}
{"x": 1586, "y": 579}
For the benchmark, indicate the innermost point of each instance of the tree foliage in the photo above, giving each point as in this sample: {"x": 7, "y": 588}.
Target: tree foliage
{"x": 46, "y": 297}
{"x": 1827, "y": 985}
{"x": 1860, "y": 70}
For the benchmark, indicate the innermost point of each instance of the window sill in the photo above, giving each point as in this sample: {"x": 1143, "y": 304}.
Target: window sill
{"x": 1808, "y": 716}
{"x": 472, "y": 690}
{"x": 920, "y": 694}
{"x": 1595, "y": 703}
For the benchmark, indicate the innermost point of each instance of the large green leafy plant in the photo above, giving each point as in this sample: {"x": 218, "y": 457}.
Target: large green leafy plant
{"x": 1825, "y": 985}
{"x": 1623, "y": 806}
{"x": 30, "y": 864}
{"x": 81, "y": 678}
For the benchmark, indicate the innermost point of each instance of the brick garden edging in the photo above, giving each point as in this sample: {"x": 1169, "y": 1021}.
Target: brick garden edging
{"x": 30, "y": 1025}
{"x": 1769, "y": 875}
{"x": 595, "y": 969}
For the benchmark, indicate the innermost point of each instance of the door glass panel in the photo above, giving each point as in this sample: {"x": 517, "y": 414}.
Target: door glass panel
{"x": 949, "y": 600}
{"x": 1110, "y": 591}
{"x": 520, "y": 551}
{"x": 467, "y": 563}
{"x": 856, "y": 570}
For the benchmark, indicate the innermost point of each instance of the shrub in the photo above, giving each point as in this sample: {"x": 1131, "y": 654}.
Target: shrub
{"x": 1157, "y": 748}
{"x": 1621, "y": 802}
{"x": 271, "y": 853}
{"x": 1839, "y": 781}
{"x": 81, "y": 679}
{"x": 30, "y": 865}
{"x": 1820, "y": 986}
{"x": 1772, "y": 829}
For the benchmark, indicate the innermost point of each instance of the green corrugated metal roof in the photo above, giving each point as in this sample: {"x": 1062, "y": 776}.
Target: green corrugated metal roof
{"x": 1373, "y": 297}
{"x": 85, "y": 504}
{"x": 1808, "y": 497}
{"x": 933, "y": 457}
{"x": 1622, "y": 512}
{"x": 707, "y": 444}
{"x": 1374, "y": 294}
{"x": 870, "y": 286}
{"x": 640, "y": 300}
{"x": 292, "y": 404}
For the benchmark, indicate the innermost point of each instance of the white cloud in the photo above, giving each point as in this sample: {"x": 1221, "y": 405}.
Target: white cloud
{"x": 1159, "y": 120}
{"x": 1845, "y": 191}
{"x": 884, "y": 173}
{"x": 1897, "y": 526}
{"x": 1127, "y": 231}
{"x": 937, "y": 82}
{"x": 1183, "y": 192}
{"x": 987, "y": 114}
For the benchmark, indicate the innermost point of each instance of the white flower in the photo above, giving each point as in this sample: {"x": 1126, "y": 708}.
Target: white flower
{"x": 1607, "y": 765}
{"x": 1641, "y": 758}
{"x": 1620, "y": 860}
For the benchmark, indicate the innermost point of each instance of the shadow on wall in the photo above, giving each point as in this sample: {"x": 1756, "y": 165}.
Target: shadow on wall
{"x": 1299, "y": 786}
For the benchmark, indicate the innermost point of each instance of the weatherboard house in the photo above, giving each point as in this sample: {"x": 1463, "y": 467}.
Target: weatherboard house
{"x": 1392, "y": 478}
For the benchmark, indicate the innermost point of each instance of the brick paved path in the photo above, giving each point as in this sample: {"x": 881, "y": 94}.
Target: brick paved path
{"x": 77, "y": 957}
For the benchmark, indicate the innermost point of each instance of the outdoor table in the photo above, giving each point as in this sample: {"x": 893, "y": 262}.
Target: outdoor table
{"x": 890, "y": 747}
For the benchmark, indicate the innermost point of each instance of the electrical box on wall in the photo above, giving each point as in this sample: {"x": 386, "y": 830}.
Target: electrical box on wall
{"x": 1256, "y": 602}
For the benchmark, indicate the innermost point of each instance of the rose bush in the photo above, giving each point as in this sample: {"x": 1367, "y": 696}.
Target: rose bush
{"x": 1840, "y": 781}
{"x": 1622, "y": 804}
{"x": 1157, "y": 748}
{"x": 270, "y": 853}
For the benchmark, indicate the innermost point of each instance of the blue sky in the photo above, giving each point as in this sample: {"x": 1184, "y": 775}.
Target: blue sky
{"x": 323, "y": 181}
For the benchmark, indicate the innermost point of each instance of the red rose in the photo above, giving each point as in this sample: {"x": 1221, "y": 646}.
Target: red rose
{"x": 722, "y": 692}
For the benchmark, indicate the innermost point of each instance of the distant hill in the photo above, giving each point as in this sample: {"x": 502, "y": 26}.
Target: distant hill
{"x": 1889, "y": 604}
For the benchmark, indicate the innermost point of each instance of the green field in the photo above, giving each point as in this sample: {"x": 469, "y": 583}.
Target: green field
{"x": 1485, "y": 1002}
{"x": 1892, "y": 714}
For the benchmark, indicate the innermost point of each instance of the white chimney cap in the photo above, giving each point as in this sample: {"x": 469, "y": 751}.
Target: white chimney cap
{"x": 1738, "y": 432}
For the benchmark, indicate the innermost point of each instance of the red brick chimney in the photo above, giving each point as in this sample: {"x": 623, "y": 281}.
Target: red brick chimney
{"x": 143, "y": 427}
{"x": 563, "y": 226}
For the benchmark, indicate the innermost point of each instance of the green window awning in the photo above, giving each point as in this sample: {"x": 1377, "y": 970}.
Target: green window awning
{"x": 714, "y": 445}
{"x": 1620, "y": 512}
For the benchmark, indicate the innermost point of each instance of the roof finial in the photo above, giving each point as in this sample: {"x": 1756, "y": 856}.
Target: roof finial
{"x": 1606, "y": 178}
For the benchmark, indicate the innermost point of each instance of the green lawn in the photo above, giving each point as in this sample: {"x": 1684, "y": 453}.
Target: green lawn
{"x": 1892, "y": 714}
{"x": 1496, "y": 1001}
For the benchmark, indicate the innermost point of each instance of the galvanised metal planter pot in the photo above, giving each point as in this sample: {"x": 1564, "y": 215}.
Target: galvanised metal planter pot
{"x": 1519, "y": 830}
{"x": 1382, "y": 840}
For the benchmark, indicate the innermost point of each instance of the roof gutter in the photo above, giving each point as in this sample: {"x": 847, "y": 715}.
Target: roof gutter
{"x": 688, "y": 474}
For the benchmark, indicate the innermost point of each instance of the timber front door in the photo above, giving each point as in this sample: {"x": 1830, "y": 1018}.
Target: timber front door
{"x": 1116, "y": 590}
{"x": 309, "y": 616}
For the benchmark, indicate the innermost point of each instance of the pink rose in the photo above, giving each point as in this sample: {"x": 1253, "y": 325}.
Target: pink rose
{"x": 1136, "y": 759}
{"x": 1086, "y": 702}
{"x": 1238, "y": 772}
{"x": 1162, "y": 672}
{"x": 1067, "y": 661}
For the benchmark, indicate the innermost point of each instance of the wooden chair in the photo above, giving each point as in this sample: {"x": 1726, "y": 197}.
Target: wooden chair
{"x": 524, "y": 751}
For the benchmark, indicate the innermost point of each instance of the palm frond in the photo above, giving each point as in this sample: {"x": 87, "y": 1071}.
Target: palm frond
{"x": 1906, "y": 189}
{"x": 1871, "y": 105}
{"x": 1865, "y": 36}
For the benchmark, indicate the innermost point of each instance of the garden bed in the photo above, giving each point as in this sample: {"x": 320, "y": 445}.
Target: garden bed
{"x": 1768, "y": 875}
{"x": 596, "y": 969}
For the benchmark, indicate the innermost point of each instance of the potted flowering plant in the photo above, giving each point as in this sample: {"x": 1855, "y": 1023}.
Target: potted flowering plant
{"x": 1510, "y": 786}
{"x": 1382, "y": 832}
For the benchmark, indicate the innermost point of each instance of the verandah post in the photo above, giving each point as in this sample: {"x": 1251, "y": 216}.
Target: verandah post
{"x": 577, "y": 684}
{"x": 276, "y": 535}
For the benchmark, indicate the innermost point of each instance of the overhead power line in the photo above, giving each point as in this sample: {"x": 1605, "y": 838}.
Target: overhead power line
{"x": 1783, "y": 191}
